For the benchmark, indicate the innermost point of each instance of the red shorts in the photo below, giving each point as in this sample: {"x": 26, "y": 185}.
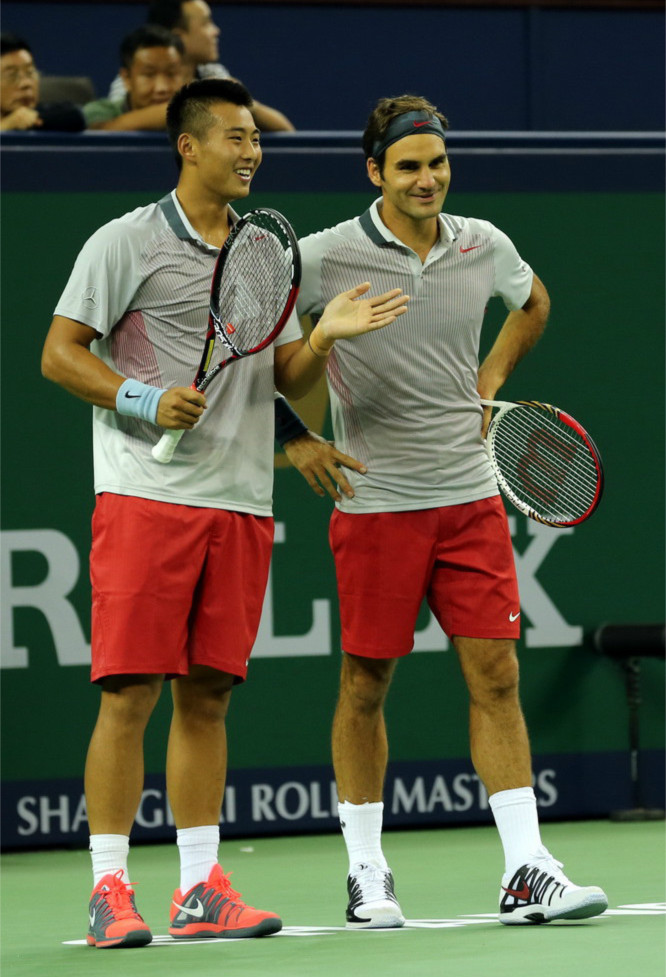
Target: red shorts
{"x": 459, "y": 557}
{"x": 174, "y": 586}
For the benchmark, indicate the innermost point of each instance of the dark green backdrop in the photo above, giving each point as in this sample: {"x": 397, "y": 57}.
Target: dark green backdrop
{"x": 601, "y": 257}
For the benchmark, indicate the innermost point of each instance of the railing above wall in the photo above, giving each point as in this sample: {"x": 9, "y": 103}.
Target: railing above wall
{"x": 333, "y": 162}
{"x": 571, "y": 4}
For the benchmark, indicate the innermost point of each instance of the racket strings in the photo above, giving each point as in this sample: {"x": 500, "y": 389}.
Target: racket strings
{"x": 554, "y": 501}
{"x": 545, "y": 463}
{"x": 546, "y": 476}
{"x": 542, "y": 483}
{"x": 253, "y": 290}
{"x": 549, "y": 468}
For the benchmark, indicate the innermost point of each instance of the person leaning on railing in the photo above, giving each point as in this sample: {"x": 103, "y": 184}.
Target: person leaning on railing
{"x": 20, "y": 107}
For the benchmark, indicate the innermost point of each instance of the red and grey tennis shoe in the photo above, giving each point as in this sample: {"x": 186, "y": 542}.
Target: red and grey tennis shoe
{"x": 214, "y": 909}
{"x": 114, "y": 921}
{"x": 372, "y": 900}
{"x": 539, "y": 892}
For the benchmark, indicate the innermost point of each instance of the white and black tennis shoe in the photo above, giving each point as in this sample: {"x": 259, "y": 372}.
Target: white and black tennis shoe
{"x": 539, "y": 892}
{"x": 372, "y": 901}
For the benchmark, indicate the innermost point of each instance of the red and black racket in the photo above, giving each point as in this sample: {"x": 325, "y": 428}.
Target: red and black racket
{"x": 253, "y": 292}
{"x": 545, "y": 462}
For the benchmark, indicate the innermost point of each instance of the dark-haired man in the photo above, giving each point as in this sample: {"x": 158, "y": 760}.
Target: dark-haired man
{"x": 20, "y": 107}
{"x": 192, "y": 21}
{"x": 151, "y": 72}
{"x": 427, "y": 521}
{"x": 162, "y": 540}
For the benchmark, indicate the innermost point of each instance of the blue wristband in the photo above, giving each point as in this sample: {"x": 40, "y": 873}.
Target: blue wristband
{"x": 136, "y": 399}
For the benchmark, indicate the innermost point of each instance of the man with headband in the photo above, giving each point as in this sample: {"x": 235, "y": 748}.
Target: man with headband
{"x": 426, "y": 520}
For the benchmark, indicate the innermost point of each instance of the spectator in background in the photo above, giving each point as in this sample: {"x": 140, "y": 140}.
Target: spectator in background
{"x": 151, "y": 72}
{"x": 20, "y": 108}
{"x": 192, "y": 21}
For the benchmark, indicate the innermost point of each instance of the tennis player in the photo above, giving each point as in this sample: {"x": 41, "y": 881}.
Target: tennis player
{"x": 426, "y": 520}
{"x": 180, "y": 554}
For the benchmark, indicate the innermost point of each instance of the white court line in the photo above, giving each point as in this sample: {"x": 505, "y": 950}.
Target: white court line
{"x": 166, "y": 940}
{"x": 469, "y": 919}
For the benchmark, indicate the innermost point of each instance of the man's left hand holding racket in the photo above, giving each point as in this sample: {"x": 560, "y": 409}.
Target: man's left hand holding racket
{"x": 180, "y": 408}
{"x": 253, "y": 292}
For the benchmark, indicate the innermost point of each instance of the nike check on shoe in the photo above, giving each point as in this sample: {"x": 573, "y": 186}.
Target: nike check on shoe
{"x": 212, "y": 909}
{"x": 112, "y": 915}
{"x": 372, "y": 901}
{"x": 539, "y": 892}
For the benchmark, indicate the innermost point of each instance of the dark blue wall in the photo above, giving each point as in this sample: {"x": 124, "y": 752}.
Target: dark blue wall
{"x": 486, "y": 68}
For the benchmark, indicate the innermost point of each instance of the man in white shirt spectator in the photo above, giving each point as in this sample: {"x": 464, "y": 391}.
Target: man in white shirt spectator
{"x": 192, "y": 21}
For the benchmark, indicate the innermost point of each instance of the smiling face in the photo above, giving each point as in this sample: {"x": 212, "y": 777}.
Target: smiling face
{"x": 224, "y": 159}
{"x": 415, "y": 179}
{"x": 19, "y": 82}
{"x": 154, "y": 75}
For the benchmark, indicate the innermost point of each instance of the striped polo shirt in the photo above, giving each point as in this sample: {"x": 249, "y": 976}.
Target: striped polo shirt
{"x": 143, "y": 283}
{"x": 404, "y": 398}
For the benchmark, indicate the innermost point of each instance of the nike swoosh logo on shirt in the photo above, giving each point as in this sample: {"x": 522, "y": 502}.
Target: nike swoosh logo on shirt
{"x": 473, "y": 248}
{"x": 514, "y": 617}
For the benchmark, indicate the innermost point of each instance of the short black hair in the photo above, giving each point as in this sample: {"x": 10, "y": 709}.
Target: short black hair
{"x": 11, "y": 42}
{"x": 188, "y": 110}
{"x": 168, "y": 13}
{"x": 150, "y": 35}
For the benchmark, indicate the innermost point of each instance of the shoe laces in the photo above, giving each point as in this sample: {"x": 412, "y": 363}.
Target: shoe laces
{"x": 372, "y": 881}
{"x": 220, "y": 883}
{"x": 119, "y": 896}
{"x": 545, "y": 861}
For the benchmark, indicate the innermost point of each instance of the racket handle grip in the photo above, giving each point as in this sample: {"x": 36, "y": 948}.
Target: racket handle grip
{"x": 165, "y": 447}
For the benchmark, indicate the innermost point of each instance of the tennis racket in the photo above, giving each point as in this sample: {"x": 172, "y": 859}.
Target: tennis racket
{"x": 546, "y": 464}
{"x": 254, "y": 288}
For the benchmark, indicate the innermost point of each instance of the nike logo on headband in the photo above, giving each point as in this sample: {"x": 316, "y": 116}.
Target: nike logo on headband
{"x": 404, "y": 124}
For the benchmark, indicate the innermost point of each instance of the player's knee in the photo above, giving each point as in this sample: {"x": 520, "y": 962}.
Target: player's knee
{"x": 500, "y": 679}
{"x": 494, "y": 676}
{"x": 130, "y": 702}
{"x": 203, "y": 696}
{"x": 365, "y": 682}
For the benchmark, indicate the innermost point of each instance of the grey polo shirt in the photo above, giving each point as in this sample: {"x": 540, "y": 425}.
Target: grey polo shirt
{"x": 143, "y": 283}
{"x": 404, "y": 398}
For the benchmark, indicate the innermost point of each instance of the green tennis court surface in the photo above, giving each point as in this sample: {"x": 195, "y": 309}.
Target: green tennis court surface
{"x": 447, "y": 882}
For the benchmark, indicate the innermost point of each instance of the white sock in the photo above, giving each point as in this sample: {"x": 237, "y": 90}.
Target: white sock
{"x": 362, "y": 830}
{"x": 109, "y": 855}
{"x": 515, "y": 813}
{"x": 198, "y": 854}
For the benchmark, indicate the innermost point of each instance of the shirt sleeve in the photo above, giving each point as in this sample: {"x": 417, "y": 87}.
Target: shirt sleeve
{"x": 117, "y": 90}
{"x": 104, "y": 279}
{"x": 513, "y": 276}
{"x": 309, "y": 298}
{"x": 102, "y": 110}
{"x": 213, "y": 70}
{"x": 291, "y": 331}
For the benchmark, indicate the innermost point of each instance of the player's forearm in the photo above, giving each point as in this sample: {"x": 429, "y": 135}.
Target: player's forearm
{"x": 517, "y": 336}
{"x": 81, "y": 373}
{"x": 521, "y": 331}
{"x": 297, "y": 370}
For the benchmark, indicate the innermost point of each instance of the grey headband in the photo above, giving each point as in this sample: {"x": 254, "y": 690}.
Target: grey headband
{"x": 408, "y": 124}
